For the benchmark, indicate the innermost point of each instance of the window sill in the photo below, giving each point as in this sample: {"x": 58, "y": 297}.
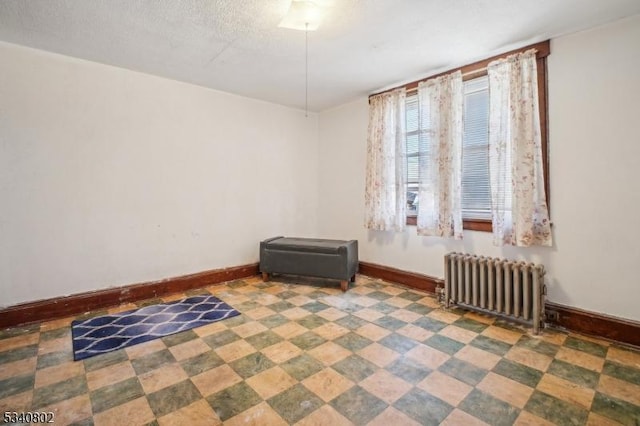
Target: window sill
{"x": 468, "y": 224}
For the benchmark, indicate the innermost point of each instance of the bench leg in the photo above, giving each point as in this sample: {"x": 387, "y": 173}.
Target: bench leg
{"x": 344, "y": 285}
{"x": 265, "y": 276}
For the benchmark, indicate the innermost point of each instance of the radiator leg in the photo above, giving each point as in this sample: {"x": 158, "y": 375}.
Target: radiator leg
{"x": 353, "y": 279}
{"x": 344, "y": 285}
{"x": 265, "y": 276}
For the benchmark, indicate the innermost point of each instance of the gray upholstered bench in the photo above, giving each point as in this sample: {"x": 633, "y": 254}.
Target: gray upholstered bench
{"x": 334, "y": 259}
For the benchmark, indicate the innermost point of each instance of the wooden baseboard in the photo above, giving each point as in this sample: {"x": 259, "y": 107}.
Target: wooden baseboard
{"x": 61, "y": 307}
{"x": 593, "y": 323}
{"x": 411, "y": 279}
{"x": 574, "y": 319}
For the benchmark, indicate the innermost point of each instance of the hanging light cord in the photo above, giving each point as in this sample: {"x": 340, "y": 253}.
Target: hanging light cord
{"x": 306, "y": 69}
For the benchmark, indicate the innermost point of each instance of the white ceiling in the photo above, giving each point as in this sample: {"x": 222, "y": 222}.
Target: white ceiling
{"x": 236, "y": 46}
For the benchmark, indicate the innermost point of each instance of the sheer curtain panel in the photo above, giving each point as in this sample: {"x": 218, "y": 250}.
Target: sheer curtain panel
{"x": 385, "y": 186}
{"x": 520, "y": 214}
{"x": 439, "y": 191}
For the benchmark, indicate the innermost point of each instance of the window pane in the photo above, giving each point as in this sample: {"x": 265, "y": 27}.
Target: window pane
{"x": 476, "y": 192}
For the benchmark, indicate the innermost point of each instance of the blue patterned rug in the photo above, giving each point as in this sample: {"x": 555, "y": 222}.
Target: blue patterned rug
{"x": 108, "y": 333}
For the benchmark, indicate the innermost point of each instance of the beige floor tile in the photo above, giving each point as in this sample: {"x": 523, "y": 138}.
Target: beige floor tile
{"x": 146, "y": 348}
{"x": 404, "y": 315}
{"x": 566, "y": 390}
{"x": 368, "y": 314}
{"x": 429, "y": 301}
{"x": 398, "y": 302}
{"x": 386, "y": 386}
{"x": 18, "y": 402}
{"x": 373, "y": 332}
{"x": 267, "y": 299}
{"x": 554, "y": 337}
{"x": 502, "y": 334}
{"x": 527, "y": 419}
{"x": 173, "y": 297}
{"x": 485, "y": 319}
{"x": 271, "y": 382}
{"x": 136, "y": 412}
{"x": 444, "y": 316}
{"x": 209, "y": 329}
{"x": 330, "y": 331}
{"x": 289, "y": 330}
{"x": 327, "y": 384}
{"x": 427, "y": 356}
{"x": 299, "y": 300}
{"x": 71, "y": 410}
{"x": 294, "y": 314}
{"x": 189, "y": 349}
{"x": 110, "y": 375}
{"x": 529, "y": 358}
{"x": 379, "y": 355}
{"x": 281, "y": 352}
{"x": 249, "y": 329}
{"x": 331, "y": 314}
{"x": 448, "y": 389}
{"x": 56, "y": 324}
{"x": 19, "y": 341}
{"x": 623, "y": 356}
{"x": 263, "y": 312}
{"x": 325, "y": 416}
{"x": 58, "y": 373}
{"x": 620, "y": 389}
{"x": 581, "y": 359}
{"x": 329, "y": 353}
{"x": 235, "y": 350}
{"x": 393, "y": 290}
{"x": 215, "y": 380}
{"x": 457, "y": 333}
{"x": 162, "y": 377}
{"x": 55, "y": 345}
{"x": 366, "y": 301}
{"x": 127, "y": 307}
{"x": 478, "y": 357}
{"x": 17, "y": 368}
{"x": 506, "y": 389}
{"x": 459, "y": 417}
{"x": 258, "y": 415}
{"x": 393, "y": 417}
{"x": 414, "y": 332}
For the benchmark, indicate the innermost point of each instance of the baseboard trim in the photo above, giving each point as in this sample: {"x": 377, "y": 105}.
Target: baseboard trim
{"x": 61, "y": 307}
{"x": 411, "y": 279}
{"x": 593, "y": 323}
{"x": 569, "y": 318}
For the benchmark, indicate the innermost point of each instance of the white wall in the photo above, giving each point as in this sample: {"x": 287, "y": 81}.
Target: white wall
{"x": 111, "y": 177}
{"x": 594, "y": 82}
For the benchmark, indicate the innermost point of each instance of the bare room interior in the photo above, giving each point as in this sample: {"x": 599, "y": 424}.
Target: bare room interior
{"x": 154, "y": 153}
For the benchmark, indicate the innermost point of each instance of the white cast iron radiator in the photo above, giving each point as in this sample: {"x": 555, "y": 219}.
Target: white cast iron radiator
{"x": 499, "y": 286}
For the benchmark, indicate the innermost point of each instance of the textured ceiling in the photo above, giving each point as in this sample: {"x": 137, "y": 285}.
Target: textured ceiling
{"x": 236, "y": 45}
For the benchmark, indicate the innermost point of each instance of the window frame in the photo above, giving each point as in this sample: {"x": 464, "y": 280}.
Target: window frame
{"x": 479, "y": 69}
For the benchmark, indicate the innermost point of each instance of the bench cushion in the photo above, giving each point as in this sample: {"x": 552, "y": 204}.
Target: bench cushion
{"x": 308, "y": 245}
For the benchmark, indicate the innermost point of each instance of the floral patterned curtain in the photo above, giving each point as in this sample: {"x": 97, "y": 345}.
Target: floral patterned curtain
{"x": 385, "y": 186}
{"x": 519, "y": 207}
{"x": 439, "y": 192}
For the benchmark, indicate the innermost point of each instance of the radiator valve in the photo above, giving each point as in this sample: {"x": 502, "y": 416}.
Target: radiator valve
{"x": 440, "y": 295}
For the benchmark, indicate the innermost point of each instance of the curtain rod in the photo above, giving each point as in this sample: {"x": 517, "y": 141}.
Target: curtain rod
{"x": 543, "y": 49}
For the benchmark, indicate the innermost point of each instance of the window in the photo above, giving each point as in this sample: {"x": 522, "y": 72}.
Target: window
{"x": 476, "y": 196}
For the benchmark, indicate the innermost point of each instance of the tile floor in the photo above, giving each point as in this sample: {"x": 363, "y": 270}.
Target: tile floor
{"x": 305, "y": 353}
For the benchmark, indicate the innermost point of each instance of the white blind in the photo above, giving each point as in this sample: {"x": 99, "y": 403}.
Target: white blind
{"x": 476, "y": 195}
{"x": 476, "y": 192}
